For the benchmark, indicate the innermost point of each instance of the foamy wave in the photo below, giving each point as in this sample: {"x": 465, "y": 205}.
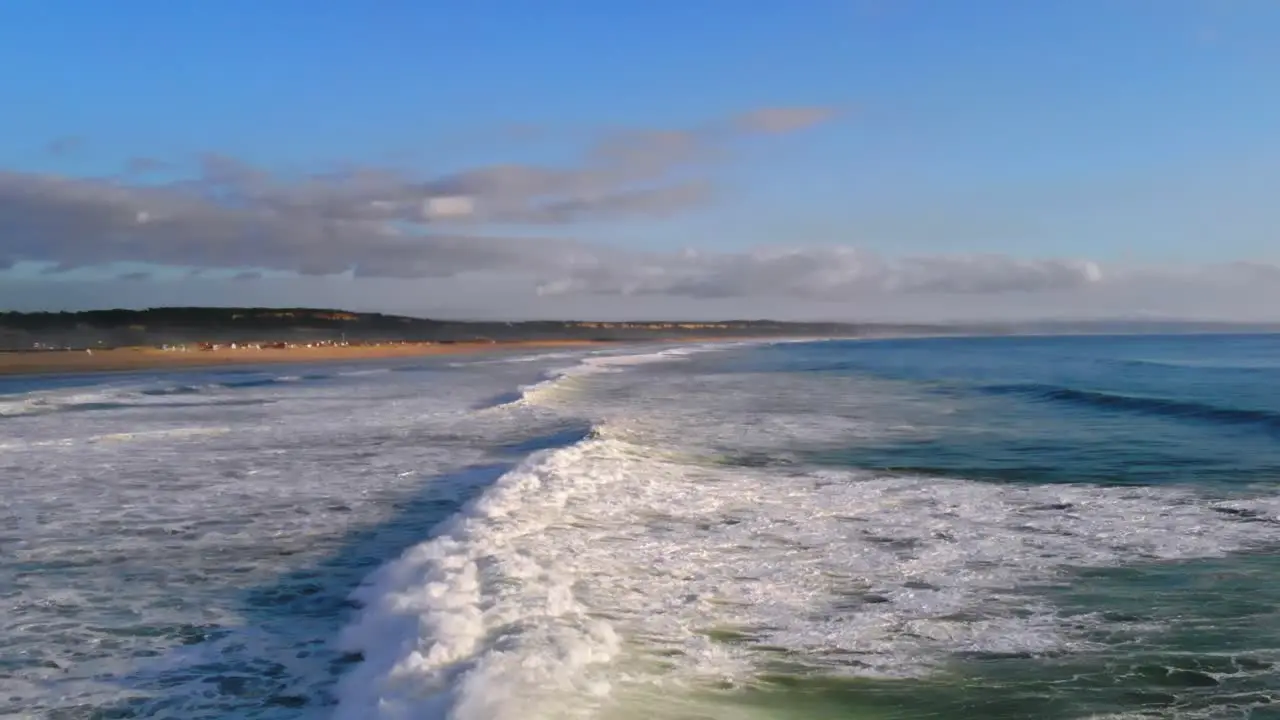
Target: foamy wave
{"x": 470, "y": 626}
{"x": 104, "y": 398}
{"x": 516, "y": 359}
{"x": 558, "y": 380}
{"x": 594, "y": 568}
{"x": 117, "y": 397}
{"x": 365, "y": 372}
{"x": 49, "y": 402}
{"x": 259, "y": 505}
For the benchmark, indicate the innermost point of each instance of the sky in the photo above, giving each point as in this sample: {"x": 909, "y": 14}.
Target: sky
{"x": 824, "y": 159}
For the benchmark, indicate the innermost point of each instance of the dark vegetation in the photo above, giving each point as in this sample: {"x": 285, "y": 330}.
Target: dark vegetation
{"x": 187, "y": 325}
{"x": 183, "y": 325}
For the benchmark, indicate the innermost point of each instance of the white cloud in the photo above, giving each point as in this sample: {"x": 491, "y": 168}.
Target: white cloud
{"x": 378, "y": 233}
{"x": 1222, "y": 292}
{"x": 375, "y": 221}
{"x": 438, "y": 208}
{"x": 785, "y": 119}
{"x": 826, "y": 273}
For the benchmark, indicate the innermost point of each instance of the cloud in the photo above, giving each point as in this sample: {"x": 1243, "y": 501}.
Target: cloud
{"x": 991, "y": 274}
{"x": 145, "y": 165}
{"x": 778, "y": 120}
{"x": 826, "y": 274}
{"x": 1226, "y": 291}
{"x": 229, "y": 221}
{"x": 66, "y": 145}
{"x": 448, "y": 206}
{"x": 378, "y": 222}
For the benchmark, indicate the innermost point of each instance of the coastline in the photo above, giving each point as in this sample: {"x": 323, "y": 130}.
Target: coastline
{"x": 127, "y": 359}
{"x": 74, "y": 362}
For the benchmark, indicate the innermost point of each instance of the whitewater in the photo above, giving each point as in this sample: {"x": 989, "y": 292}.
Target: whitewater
{"x": 964, "y": 528}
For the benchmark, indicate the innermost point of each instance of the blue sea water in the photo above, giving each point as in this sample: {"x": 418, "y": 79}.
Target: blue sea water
{"x": 1056, "y": 527}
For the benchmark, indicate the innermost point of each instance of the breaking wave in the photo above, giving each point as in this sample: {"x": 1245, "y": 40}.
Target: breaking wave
{"x": 594, "y": 569}
{"x": 561, "y": 379}
{"x": 594, "y": 578}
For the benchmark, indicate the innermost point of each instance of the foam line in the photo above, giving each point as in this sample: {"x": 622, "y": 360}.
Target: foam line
{"x": 467, "y": 626}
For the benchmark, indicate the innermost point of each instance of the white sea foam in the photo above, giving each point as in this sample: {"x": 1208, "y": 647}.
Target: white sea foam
{"x": 470, "y": 625}
{"x": 708, "y": 574}
{"x": 162, "y": 434}
{"x": 601, "y": 363}
{"x": 560, "y": 380}
{"x": 520, "y": 359}
{"x": 638, "y": 561}
{"x": 204, "y": 516}
{"x": 46, "y": 402}
{"x": 364, "y": 372}
{"x": 115, "y": 397}
{"x": 599, "y": 566}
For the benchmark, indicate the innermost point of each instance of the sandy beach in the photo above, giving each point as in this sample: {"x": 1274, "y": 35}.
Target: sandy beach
{"x": 146, "y": 358}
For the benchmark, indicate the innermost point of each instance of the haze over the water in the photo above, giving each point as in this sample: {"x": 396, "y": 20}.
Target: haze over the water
{"x": 860, "y": 159}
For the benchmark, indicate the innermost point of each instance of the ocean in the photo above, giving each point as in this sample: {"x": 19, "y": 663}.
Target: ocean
{"x": 1035, "y": 527}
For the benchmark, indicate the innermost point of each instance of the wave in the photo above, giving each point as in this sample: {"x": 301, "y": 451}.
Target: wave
{"x": 269, "y": 381}
{"x": 1163, "y": 407}
{"x": 517, "y": 359}
{"x": 107, "y": 400}
{"x": 466, "y": 625}
{"x": 116, "y": 397}
{"x": 605, "y": 570}
{"x": 41, "y": 403}
{"x": 1260, "y": 367}
{"x": 119, "y": 398}
{"x": 559, "y": 379}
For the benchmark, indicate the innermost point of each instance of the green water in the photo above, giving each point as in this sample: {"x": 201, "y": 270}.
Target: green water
{"x": 1187, "y": 639}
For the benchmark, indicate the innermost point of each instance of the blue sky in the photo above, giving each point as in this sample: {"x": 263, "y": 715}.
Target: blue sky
{"x": 1133, "y": 133}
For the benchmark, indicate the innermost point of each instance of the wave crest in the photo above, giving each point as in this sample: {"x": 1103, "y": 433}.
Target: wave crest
{"x": 1163, "y": 407}
{"x": 467, "y": 626}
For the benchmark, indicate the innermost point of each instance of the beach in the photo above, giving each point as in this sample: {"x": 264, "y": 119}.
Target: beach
{"x": 150, "y": 358}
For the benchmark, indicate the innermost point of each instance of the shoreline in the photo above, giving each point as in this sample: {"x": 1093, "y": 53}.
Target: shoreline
{"x": 126, "y": 359}
{"x": 16, "y": 363}
{"x": 130, "y": 359}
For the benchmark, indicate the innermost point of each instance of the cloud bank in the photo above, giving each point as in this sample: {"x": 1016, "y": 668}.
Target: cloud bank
{"x": 224, "y": 215}
{"x": 375, "y": 222}
{"x": 830, "y": 273}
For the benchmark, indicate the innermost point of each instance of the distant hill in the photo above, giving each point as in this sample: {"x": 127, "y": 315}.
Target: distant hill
{"x": 175, "y": 325}
{"x": 179, "y": 325}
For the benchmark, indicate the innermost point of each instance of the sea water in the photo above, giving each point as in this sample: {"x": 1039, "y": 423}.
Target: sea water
{"x": 951, "y": 528}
